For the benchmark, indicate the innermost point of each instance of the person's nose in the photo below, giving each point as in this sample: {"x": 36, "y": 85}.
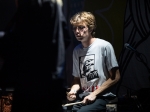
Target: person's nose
{"x": 77, "y": 29}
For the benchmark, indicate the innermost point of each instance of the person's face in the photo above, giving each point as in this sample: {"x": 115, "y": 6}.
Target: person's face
{"x": 81, "y": 32}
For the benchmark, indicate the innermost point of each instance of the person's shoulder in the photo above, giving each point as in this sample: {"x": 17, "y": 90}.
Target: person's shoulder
{"x": 103, "y": 42}
{"x": 77, "y": 47}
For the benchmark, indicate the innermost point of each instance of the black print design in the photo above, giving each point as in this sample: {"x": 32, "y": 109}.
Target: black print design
{"x": 87, "y": 67}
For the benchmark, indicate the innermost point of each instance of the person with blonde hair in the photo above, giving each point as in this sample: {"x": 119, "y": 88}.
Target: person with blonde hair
{"x": 95, "y": 68}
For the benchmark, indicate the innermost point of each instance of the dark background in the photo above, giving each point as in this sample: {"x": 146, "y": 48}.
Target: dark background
{"x": 118, "y": 22}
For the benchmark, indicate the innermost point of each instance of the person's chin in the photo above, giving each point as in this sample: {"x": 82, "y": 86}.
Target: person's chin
{"x": 79, "y": 38}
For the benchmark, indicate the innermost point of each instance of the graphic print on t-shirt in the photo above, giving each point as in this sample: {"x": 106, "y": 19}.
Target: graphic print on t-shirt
{"x": 87, "y": 69}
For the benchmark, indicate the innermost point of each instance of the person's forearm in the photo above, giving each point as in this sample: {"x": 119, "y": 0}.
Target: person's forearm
{"x": 75, "y": 88}
{"x": 110, "y": 82}
{"x": 76, "y": 85}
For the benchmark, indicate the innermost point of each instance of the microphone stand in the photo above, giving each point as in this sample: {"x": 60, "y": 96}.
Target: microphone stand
{"x": 140, "y": 57}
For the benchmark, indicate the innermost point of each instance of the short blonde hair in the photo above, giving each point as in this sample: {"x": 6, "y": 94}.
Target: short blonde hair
{"x": 87, "y": 17}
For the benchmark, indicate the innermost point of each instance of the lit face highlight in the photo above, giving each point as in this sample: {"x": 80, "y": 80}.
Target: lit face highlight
{"x": 81, "y": 32}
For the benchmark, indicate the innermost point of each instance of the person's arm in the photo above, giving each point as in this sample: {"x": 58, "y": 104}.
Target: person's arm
{"x": 74, "y": 89}
{"x": 75, "y": 84}
{"x": 114, "y": 78}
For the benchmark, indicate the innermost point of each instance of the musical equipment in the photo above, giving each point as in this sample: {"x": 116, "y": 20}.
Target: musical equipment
{"x": 70, "y": 104}
{"x": 127, "y": 46}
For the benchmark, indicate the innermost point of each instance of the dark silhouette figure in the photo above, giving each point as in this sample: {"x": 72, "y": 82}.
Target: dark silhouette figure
{"x": 30, "y": 58}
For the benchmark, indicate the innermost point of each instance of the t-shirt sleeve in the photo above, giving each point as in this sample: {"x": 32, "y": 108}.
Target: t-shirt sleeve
{"x": 111, "y": 60}
{"x": 75, "y": 71}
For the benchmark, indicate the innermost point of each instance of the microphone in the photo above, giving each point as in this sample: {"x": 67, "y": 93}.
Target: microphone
{"x": 2, "y": 34}
{"x": 129, "y": 47}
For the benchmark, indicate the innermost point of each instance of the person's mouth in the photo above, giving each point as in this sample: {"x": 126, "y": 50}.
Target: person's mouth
{"x": 78, "y": 36}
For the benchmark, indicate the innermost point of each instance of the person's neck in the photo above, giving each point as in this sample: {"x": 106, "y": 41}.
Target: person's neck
{"x": 88, "y": 42}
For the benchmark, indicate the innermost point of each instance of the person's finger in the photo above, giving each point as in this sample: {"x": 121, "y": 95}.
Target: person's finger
{"x": 70, "y": 94}
{"x": 84, "y": 100}
{"x": 71, "y": 97}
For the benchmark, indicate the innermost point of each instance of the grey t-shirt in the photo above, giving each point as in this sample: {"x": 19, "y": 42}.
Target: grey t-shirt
{"x": 92, "y": 64}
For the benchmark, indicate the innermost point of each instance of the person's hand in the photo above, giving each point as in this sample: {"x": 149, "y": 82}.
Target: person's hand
{"x": 89, "y": 99}
{"x": 71, "y": 96}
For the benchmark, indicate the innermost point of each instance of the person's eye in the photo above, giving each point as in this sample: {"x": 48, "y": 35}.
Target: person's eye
{"x": 81, "y": 27}
{"x": 74, "y": 28}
